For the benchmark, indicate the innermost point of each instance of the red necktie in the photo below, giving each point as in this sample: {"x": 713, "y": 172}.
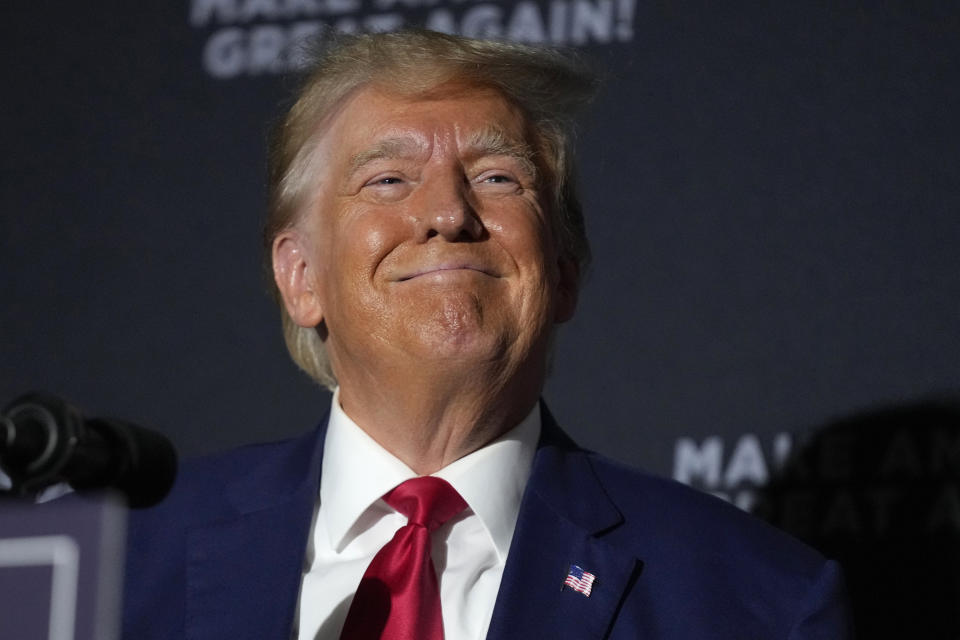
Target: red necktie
{"x": 398, "y": 597}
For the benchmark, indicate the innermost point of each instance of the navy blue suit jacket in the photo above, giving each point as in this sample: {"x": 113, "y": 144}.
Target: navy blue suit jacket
{"x": 222, "y": 557}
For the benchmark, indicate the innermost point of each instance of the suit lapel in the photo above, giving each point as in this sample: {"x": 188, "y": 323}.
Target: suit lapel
{"x": 244, "y": 570}
{"x": 563, "y": 518}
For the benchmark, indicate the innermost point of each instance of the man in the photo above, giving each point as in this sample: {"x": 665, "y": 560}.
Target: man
{"x": 425, "y": 240}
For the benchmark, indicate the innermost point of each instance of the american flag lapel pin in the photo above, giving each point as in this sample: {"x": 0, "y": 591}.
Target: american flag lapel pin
{"x": 579, "y": 580}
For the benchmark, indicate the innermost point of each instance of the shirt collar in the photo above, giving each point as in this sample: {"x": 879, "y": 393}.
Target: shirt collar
{"x": 492, "y": 479}
{"x": 357, "y": 472}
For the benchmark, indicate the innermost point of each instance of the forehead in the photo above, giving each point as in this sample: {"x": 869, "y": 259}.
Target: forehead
{"x": 450, "y": 115}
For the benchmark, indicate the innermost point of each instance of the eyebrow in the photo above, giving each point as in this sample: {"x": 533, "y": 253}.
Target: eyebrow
{"x": 494, "y": 141}
{"x": 488, "y": 141}
{"x": 389, "y": 148}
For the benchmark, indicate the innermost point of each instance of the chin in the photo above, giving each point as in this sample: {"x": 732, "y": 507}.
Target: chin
{"x": 458, "y": 346}
{"x": 465, "y": 328}
{"x": 444, "y": 342}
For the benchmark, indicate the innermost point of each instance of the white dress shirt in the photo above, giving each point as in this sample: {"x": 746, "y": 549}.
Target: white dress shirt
{"x": 352, "y": 523}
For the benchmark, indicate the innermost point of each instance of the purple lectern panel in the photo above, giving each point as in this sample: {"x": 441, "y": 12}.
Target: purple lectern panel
{"x": 61, "y": 568}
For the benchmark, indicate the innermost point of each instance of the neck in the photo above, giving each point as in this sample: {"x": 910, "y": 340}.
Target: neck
{"x": 429, "y": 419}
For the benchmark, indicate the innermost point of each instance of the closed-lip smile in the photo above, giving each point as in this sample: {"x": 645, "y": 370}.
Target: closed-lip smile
{"x": 446, "y": 266}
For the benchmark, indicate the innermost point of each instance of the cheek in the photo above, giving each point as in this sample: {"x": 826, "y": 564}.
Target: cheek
{"x": 367, "y": 236}
{"x": 376, "y": 242}
{"x": 526, "y": 237}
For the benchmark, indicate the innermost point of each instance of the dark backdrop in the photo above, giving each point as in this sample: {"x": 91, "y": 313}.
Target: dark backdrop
{"x": 772, "y": 194}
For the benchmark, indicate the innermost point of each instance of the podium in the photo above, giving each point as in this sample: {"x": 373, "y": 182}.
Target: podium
{"x": 61, "y": 568}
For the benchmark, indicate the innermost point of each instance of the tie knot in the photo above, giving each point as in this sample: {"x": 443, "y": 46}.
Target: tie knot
{"x": 426, "y": 501}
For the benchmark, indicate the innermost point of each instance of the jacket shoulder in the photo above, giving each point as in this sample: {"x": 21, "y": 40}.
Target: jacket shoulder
{"x": 220, "y": 487}
{"x": 669, "y": 509}
{"x": 723, "y": 571}
{"x": 205, "y": 483}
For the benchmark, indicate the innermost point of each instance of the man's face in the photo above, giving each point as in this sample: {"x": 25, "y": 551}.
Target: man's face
{"x": 428, "y": 238}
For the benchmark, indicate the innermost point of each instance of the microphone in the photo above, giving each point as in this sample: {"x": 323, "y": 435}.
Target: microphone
{"x": 46, "y": 441}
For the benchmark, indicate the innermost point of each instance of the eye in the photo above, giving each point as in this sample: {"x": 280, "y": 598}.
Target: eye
{"x": 386, "y": 180}
{"x": 391, "y": 186}
{"x": 496, "y": 177}
{"x": 497, "y": 182}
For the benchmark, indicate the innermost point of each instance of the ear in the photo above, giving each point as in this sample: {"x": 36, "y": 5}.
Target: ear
{"x": 568, "y": 289}
{"x": 296, "y": 279}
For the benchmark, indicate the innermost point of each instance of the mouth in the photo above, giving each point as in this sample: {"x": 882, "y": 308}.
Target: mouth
{"x": 450, "y": 268}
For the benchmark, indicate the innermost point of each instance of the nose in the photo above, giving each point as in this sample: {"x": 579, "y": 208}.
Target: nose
{"x": 446, "y": 210}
